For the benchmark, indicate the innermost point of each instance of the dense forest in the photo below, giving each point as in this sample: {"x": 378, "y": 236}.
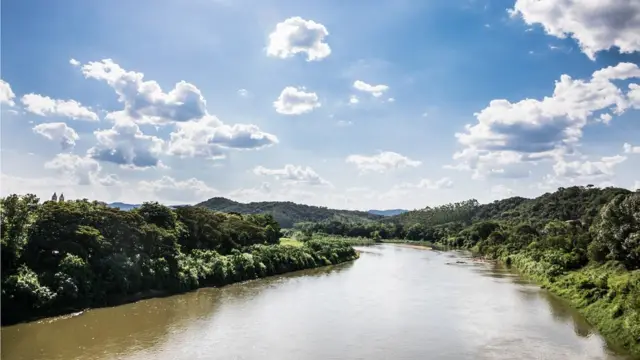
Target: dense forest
{"x": 287, "y": 213}
{"x": 60, "y": 256}
{"x": 583, "y": 243}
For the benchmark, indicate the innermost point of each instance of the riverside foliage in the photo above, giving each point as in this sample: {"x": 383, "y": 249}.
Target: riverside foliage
{"x": 61, "y": 256}
{"x": 582, "y": 243}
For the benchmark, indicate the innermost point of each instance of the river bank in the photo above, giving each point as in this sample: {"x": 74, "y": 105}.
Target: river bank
{"x": 415, "y": 244}
{"x": 209, "y": 269}
{"x": 606, "y": 295}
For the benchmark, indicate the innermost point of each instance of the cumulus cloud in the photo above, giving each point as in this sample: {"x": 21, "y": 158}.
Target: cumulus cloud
{"x": 596, "y": 25}
{"x": 82, "y": 170}
{"x": 243, "y": 92}
{"x": 125, "y": 144}
{"x": 382, "y": 162}
{"x": 295, "y": 101}
{"x": 209, "y": 138}
{"x": 630, "y": 149}
{"x": 588, "y": 169}
{"x": 353, "y": 99}
{"x": 175, "y": 190}
{"x": 605, "y": 118}
{"x": 46, "y": 106}
{"x": 6, "y": 94}
{"x": 145, "y": 101}
{"x": 59, "y": 132}
{"x": 297, "y": 35}
{"x": 509, "y": 135}
{"x": 294, "y": 174}
{"x": 375, "y": 90}
{"x": 196, "y": 133}
{"x": 74, "y": 62}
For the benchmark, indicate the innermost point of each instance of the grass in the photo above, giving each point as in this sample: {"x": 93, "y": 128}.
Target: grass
{"x": 353, "y": 241}
{"x": 607, "y": 295}
{"x": 290, "y": 242}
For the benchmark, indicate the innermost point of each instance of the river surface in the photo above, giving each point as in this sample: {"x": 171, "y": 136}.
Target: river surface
{"x": 393, "y": 303}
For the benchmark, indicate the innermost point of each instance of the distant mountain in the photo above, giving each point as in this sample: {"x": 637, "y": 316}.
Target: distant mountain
{"x": 390, "y": 212}
{"x": 288, "y": 213}
{"x": 123, "y": 206}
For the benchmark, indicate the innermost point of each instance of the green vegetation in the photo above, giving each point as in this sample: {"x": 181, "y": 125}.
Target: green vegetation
{"x": 287, "y": 213}
{"x": 353, "y": 241}
{"x": 61, "y": 256}
{"x": 293, "y": 237}
{"x": 582, "y": 243}
{"x": 291, "y": 242}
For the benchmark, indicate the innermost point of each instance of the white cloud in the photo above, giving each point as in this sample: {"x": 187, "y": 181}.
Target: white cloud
{"x": 82, "y": 170}
{"x": 294, "y": 174}
{"x": 344, "y": 123}
{"x": 74, "y": 62}
{"x": 391, "y": 100}
{"x": 596, "y": 25}
{"x": 375, "y": 90}
{"x": 125, "y": 144}
{"x": 502, "y": 191}
{"x": 58, "y": 131}
{"x": 606, "y": 118}
{"x": 190, "y": 190}
{"x": 294, "y": 101}
{"x": 197, "y": 133}
{"x": 353, "y": 99}
{"x": 401, "y": 190}
{"x": 588, "y": 169}
{"x": 443, "y": 183}
{"x": 46, "y": 106}
{"x": 634, "y": 95}
{"x": 297, "y": 35}
{"x": 209, "y": 138}
{"x": 257, "y": 193}
{"x": 509, "y": 135}
{"x": 6, "y": 94}
{"x": 382, "y": 162}
{"x": 629, "y": 149}
{"x": 243, "y": 92}
{"x": 144, "y": 101}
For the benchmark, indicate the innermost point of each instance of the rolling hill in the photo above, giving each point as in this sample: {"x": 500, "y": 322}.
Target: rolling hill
{"x": 288, "y": 213}
{"x": 390, "y": 212}
{"x": 572, "y": 203}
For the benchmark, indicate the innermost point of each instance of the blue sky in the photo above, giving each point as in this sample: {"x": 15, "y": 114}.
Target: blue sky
{"x": 360, "y": 104}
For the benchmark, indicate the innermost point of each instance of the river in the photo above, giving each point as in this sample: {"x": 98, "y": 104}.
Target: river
{"x": 393, "y": 303}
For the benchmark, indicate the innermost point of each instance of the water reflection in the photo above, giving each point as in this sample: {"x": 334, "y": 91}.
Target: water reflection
{"x": 560, "y": 310}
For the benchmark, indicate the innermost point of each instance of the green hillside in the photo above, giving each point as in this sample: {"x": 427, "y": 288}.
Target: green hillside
{"x": 288, "y": 213}
{"x": 572, "y": 203}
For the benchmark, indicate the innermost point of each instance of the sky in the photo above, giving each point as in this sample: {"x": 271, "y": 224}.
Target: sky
{"x": 358, "y": 105}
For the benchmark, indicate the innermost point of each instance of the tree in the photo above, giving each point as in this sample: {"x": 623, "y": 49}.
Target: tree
{"x": 617, "y": 229}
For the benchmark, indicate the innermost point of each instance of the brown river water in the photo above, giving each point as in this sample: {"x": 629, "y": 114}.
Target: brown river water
{"x": 393, "y": 303}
